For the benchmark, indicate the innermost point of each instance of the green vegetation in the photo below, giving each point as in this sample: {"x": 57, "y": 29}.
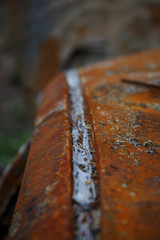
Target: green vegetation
{"x": 9, "y": 145}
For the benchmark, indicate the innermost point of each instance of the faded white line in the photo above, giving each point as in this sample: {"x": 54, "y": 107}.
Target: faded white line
{"x": 84, "y": 188}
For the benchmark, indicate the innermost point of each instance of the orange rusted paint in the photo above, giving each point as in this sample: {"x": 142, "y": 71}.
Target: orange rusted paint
{"x": 10, "y": 182}
{"x": 44, "y": 207}
{"x": 126, "y": 122}
{"x": 124, "y": 118}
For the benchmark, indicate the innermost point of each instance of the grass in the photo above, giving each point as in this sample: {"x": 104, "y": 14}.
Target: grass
{"x": 9, "y": 144}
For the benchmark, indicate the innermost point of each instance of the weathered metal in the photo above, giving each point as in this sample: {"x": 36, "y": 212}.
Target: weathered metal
{"x": 126, "y": 122}
{"x": 123, "y": 118}
{"x": 10, "y": 182}
{"x": 44, "y": 206}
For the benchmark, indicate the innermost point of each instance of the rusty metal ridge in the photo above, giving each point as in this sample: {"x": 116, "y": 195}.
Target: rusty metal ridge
{"x": 84, "y": 189}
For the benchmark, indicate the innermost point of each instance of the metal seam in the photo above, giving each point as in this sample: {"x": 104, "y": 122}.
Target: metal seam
{"x": 84, "y": 189}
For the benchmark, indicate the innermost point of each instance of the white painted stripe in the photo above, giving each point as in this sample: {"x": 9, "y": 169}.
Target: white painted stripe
{"x": 84, "y": 188}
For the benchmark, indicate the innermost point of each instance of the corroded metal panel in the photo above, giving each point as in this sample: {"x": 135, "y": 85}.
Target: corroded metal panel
{"x": 126, "y": 121}
{"x": 44, "y": 207}
{"x": 10, "y": 182}
{"x": 121, "y": 112}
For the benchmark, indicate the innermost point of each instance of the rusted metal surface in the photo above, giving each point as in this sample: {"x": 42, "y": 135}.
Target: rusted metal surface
{"x": 44, "y": 207}
{"x": 122, "y": 119}
{"x": 10, "y": 182}
{"x": 126, "y": 121}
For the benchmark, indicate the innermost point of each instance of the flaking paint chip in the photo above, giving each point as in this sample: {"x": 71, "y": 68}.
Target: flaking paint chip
{"x": 88, "y": 182}
{"x": 132, "y": 194}
{"x": 124, "y": 185}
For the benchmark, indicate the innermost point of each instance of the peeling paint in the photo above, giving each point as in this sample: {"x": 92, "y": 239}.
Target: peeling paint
{"x": 84, "y": 190}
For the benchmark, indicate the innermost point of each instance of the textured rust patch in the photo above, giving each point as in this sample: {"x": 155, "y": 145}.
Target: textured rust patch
{"x": 10, "y": 182}
{"x": 125, "y": 129}
{"x": 126, "y": 122}
{"x": 51, "y": 99}
{"x": 44, "y": 207}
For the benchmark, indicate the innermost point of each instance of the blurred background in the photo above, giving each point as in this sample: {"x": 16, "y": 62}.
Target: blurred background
{"x": 39, "y": 38}
{"x": 14, "y": 126}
